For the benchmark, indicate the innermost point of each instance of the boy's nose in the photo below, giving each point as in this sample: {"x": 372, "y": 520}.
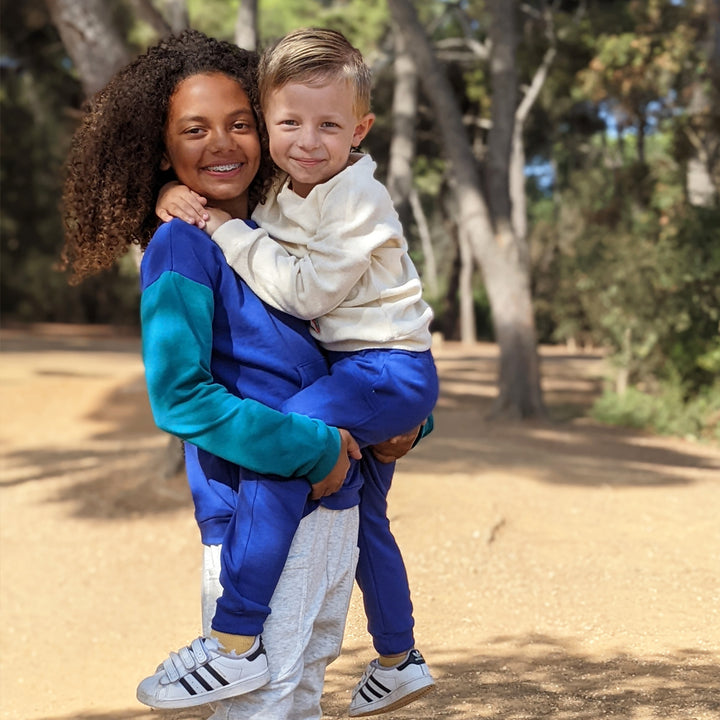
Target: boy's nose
{"x": 308, "y": 138}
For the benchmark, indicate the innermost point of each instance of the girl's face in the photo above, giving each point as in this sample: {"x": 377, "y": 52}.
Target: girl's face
{"x": 211, "y": 140}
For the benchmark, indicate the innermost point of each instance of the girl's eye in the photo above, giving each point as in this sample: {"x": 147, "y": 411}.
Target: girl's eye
{"x": 193, "y": 131}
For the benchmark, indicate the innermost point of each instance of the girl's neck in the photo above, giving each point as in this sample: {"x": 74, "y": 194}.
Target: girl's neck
{"x": 237, "y": 208}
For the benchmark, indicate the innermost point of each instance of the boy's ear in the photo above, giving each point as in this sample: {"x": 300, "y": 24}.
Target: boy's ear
{"x": 362, "y": 128}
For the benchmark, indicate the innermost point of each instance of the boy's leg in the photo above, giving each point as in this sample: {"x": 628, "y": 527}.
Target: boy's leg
{"x": 375, "y": 394}
{"x": 383, "y": 580}
{"x": 381, "y": 572}
{"x": 254, "y": 551}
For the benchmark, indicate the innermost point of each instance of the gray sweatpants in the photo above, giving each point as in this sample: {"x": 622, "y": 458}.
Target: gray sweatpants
{"x": 304, "y": 631}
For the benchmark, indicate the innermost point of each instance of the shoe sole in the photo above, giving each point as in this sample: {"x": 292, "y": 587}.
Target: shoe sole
{"x": 223, "y": 693}
{"x": 400, "y": 702}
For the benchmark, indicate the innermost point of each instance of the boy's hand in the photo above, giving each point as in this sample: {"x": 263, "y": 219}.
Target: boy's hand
{"x": 334, "y": 480}
{"x": 394, "y": 448}
{"x": 214, "y": 219}
{"x": 178, "y": 201}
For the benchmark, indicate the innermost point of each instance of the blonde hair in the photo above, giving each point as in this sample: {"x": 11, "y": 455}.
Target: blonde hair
{"x": 315, "y": 56}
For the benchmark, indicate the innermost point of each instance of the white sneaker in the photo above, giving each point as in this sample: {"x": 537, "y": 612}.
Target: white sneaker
{"x": 201, "y": 673}
{"x": 383, "y": 689}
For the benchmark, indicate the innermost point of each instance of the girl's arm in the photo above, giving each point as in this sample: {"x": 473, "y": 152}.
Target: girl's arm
{"x": 177, "y": 326}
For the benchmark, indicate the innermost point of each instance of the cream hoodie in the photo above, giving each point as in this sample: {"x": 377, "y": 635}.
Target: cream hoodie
{"x": 337, "y": 257}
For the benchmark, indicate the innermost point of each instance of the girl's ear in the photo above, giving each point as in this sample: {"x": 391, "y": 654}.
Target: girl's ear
{"x": 165, "y": 163}
{"x": 362, "y": 128}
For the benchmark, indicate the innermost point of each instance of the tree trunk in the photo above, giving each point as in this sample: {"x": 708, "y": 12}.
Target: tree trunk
{"x": 494, "y": 245}
{"x": 402, "y": 151}
{"x": 175, "y": 13}
{"x": 468, "y": 329}
{"x": 429, "y": 274}
{"x": 147, "y": 12}
{"x": 91, "y": 39}
{"x": 703, "y": 170}
{"x": 246, "y": 25}
{"x": 402, "y": 142}
{"x": 97, "y": 50}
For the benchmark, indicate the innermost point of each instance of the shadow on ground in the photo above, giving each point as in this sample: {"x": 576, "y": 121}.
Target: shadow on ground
{"x": 530, "y": 678}
{"x": 117, "y": 470}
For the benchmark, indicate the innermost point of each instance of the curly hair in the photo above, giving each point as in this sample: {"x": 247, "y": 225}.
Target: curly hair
{"x": 113, "y": 173}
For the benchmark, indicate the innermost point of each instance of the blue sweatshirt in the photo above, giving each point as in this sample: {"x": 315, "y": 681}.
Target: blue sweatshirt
{"x": 217, "y": 361}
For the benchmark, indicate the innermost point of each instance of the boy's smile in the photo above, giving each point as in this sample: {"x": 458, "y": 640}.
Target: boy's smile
{"x": 312, "y": 129}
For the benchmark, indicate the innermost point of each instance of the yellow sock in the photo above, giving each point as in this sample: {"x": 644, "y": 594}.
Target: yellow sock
{"x": 391, "y": 660}
{"x": 239, "y": 643}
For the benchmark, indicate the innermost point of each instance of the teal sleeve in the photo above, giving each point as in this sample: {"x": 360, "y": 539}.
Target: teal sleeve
{"x": 425, "y": 429}
{"x": 176, "y": 316}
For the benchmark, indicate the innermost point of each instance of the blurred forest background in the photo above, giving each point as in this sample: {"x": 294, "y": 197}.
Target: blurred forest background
{"x": 556, "y": 166}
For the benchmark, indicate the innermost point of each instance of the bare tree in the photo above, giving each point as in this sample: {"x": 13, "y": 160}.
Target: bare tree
{"x": 175, "y": 13}
{"x": 703, "y": 169}
{"x": 246, "y": 25}
{"x": 91, "y": 38}
{"x": 97, "y": 49}
{"x": 402, "y": 151}
{"x": 487, "y": 225}
{"x": 146, "y": 11}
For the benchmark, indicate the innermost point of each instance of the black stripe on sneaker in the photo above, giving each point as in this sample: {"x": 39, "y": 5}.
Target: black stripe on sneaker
{"x": 375, "y": 687}
{"x": 206, "y": 685}
{"x": 188, "y": 688}
{"x": 215, "y": 674}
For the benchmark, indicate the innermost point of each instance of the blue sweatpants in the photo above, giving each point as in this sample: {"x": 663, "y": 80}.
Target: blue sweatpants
{"x": 376, "y": 395}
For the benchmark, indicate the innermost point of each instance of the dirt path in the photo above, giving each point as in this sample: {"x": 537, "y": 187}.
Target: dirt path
{"x": 563, "y": 571}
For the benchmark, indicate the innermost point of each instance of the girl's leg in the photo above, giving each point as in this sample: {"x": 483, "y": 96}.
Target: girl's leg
{"x": 304, "y": 632}
{"x": 211, "y": 588}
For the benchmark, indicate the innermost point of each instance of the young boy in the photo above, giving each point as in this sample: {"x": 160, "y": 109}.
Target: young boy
{"x": 330, "y": 249}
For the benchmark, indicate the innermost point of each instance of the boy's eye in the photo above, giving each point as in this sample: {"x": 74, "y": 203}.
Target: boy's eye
{"x": 291, "y": 123}
{"x": 330, "y": 124}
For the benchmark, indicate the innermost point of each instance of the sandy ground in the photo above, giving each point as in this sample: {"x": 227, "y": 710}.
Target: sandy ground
{"x": 562, "y": 570}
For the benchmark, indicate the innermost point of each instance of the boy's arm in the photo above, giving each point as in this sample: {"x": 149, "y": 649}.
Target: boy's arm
{"x": 178, "y": 201}
{"x": 176, "y": 316}
{"x": 337, "y": 256}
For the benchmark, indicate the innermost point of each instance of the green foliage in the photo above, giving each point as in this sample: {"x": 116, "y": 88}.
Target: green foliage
{"x": 665, "y": 411}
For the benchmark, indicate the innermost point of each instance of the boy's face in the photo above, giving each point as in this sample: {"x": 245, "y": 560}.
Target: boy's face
{"x": 211, "y": 140}
{"x": 312, "y": 129}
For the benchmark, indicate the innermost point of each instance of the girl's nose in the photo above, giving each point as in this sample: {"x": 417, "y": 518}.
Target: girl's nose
{"x": 220, "y": 141}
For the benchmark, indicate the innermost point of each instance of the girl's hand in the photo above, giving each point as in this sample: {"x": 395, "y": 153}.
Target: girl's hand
{"x": 178, "y": 201}
{"x": 334, "y": 480}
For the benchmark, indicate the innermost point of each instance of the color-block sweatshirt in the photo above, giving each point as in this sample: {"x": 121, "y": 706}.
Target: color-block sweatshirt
{"x": 217, "y": 361}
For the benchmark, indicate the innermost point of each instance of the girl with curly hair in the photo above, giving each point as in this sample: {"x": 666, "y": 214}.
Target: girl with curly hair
{"x": 218, "y": 365}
